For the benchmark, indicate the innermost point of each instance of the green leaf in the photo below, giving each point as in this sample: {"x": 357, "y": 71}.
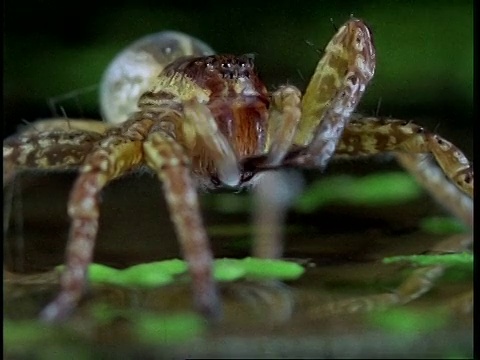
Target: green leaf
{"x": 407, "y": 322}
{"x": 22, "y": 333}
{"x": 144, "y": 275}
{"x": 272, "y": 269}
{"x": 99, "y": 273}
{"x": 464, "y": 260}
{"x": 442, "y": 225}
{"x": 154, "y": 329}
{"x": 228, "y": 270}
{"x": 144, "y": 278}
{"x": 372, "y": 190}
{"x": 150, "y": 327}
{"x": 163, "y": 272}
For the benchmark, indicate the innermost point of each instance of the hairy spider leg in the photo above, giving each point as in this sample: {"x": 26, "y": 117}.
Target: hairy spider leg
{"x": 314, "y": 122}
{"x": 369, "y": 136}
{"x": 432, "y": 178}
{"x": 45, "y": 150}
{"x": 410, "y": 142}
{"x": 66, "y": 125}
{"x": 284, "y": 117}
{"x": 220, "y": 150}
{"x": 111, "y": 157}
{"x": 456, "y": 202}
{"x": 333, "y": 93}
{"x": 423, "y": 279}
{"x": 274, "y": 192}
{"x": 419, "y": 282}
{"x": 168, "y": 159}
{"x": 55, "y": 144}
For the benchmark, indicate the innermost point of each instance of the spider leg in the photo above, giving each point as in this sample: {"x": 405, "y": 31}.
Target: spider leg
{"x": 41, "y": 145}
{"x": 111, "y": 157}
{"x": 65, "y": 125}
{"x": 419, "y": 282}
{"x": 369, "y": 136}
{"x": 457, "y": 202}
{"x": 168, "y": 159}
{"x": 273, "y": 192}
{"x": 273, "y": 195}
{"x": 220, "y": 150}
{"x": 432, "y": 178}
{"x": 284, "y": 117}
{"x": 47, "y": 150}
{"x": 441, "y": 188}
{"x": 333, "y": 93}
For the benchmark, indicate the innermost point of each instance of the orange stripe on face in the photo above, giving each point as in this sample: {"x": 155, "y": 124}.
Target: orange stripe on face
{"x": 250, "y": 127}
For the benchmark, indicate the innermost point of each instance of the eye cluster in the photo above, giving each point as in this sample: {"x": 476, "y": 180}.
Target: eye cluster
{"x": 231, "y": 66}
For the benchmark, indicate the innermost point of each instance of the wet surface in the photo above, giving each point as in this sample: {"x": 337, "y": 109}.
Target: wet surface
{"x": 341, "y": 248}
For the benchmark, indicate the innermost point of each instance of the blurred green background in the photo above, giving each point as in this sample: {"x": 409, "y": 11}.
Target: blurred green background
{"x": 424, "y": 51}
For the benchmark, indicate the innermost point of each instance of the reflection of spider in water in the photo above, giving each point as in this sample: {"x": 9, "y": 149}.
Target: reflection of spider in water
{"x": 208, "y": 121}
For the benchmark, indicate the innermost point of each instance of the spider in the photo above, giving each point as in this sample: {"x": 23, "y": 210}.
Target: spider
{"x": 200, "y": 120}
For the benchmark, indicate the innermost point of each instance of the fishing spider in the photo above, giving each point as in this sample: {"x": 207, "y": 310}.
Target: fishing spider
{"x": 208, "y": 121}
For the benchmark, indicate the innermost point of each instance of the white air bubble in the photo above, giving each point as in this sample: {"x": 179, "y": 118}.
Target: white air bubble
{"x": 135, "y": 69}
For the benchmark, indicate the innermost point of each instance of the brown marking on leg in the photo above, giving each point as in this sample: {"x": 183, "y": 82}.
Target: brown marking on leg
{"x": 433, "y": 179}
{"x": 368, "y": 136}
{"x": 333, "y": 93}
{"x": 46, "y": 150}
{"x": 453, "y": 162}
{"x": 167, "y": 158}
{"x": 111, "y": 158}
{"x": 73, "y": 281}
{"x": 285, "y": 115}
{"x": 421, "y": 280}
{"x": 65, "y": 125}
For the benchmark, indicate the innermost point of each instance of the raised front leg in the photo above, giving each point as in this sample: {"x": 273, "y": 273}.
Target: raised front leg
{"x": 168, "y": 160}
{"x": 333, "y": 93}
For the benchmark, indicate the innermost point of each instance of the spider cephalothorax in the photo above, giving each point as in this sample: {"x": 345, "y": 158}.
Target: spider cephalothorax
{"x": 232, "y": 102}
{"x": 203, "y": 120}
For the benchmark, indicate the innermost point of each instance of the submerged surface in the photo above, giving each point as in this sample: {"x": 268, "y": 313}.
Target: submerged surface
{"x": 341, "y": 248}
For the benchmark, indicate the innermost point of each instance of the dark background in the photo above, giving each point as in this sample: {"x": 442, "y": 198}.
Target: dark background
{"x": 424, "y": 73}
{"x": 424, "y": 51}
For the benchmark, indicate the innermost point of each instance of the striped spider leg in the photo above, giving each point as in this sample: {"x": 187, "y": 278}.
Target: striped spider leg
{"x": 326, "y": 131}
{"x": 421, "y": 280}
{"x": 103, "y": 152}
{"x": 438, "y": 165}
